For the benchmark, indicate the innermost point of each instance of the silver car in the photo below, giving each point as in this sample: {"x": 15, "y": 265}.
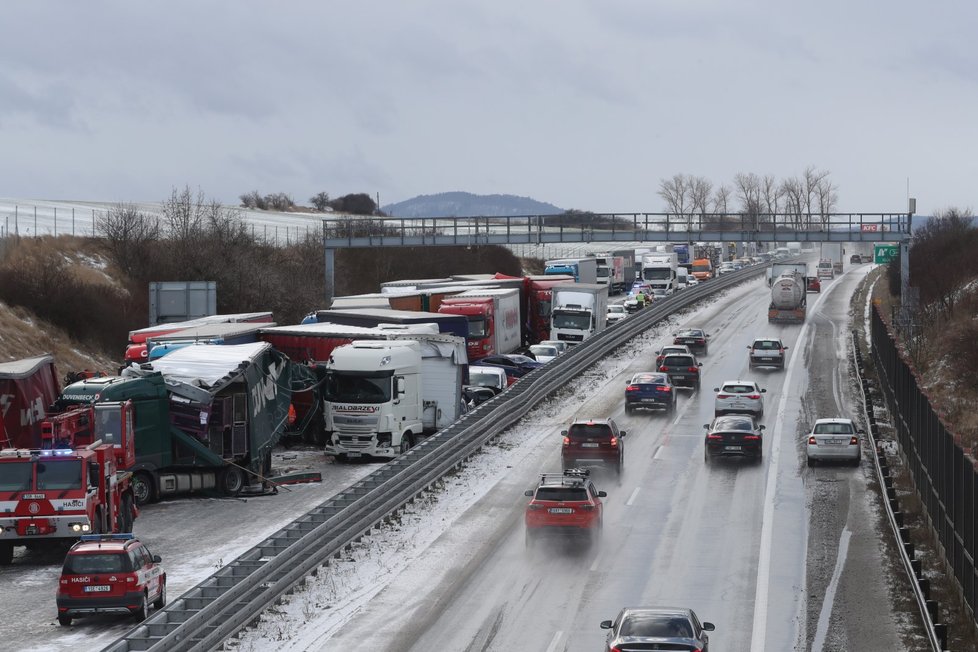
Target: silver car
{"x": 740, "y": 397}
{"x": 834, "y": 440}
{"x": 657, "y": 628}
{"x": 766, "y": 352}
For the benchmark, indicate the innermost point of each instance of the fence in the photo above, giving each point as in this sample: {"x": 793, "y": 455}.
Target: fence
{"x": 944, "y": 477}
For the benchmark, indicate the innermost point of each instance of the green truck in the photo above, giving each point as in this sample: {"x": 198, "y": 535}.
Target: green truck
{"x": 206, "y": 417}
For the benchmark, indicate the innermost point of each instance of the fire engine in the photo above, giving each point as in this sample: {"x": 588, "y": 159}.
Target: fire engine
{"x": 76, "y": 484}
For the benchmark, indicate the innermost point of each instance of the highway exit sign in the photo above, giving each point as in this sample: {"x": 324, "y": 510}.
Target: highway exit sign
{"x": 884, "y": 253}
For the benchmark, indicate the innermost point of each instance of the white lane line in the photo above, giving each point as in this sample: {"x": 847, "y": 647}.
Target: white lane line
{"x": 829, "y": 600}
{"x": 631, "y": 499}
{"x": 594, "y": 567}
{"x": 682, "y": 411}
{"x": 866, "y": 311}
{"x": 657, "y": 451}
{"x": 762, "y": 586}
{"x": 555, "y": 641}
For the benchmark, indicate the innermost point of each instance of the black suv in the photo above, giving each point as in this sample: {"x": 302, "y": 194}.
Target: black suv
{"x": 683, "y": 369}
{"x": 593, "y": 442}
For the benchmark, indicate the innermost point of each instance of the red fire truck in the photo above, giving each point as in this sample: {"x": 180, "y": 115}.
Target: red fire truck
{"x": 51, "y": 496}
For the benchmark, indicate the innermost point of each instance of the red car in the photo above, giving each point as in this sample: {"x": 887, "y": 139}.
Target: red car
{"x": 564, "y": 504}
{"x": 814, "y": 285}
{"x": 110, "y": 573}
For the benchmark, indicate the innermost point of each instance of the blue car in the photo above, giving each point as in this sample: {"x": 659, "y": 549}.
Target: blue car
{"x": 514, "y": 364}
{"x": 648, "y": 390}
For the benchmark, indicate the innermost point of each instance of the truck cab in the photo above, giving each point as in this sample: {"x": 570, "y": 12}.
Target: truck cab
{"x": 702, "y": 269}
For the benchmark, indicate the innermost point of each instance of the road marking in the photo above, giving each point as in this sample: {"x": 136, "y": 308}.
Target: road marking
{"x": 594, "y": 567}
{"x": 657, "y": 451}
{"x": 758, "y": 639}
{"x": 631, "y": 499}
{"x": 826, "y": 612}
{"x": 555, "y": 641}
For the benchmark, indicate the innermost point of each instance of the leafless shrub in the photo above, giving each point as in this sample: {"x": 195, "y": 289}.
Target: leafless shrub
{"x": 320, "y": 201}
{"x": 128, "y": 236}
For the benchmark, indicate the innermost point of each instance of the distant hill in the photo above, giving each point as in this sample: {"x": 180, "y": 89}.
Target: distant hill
{"x": 465, "y": 204}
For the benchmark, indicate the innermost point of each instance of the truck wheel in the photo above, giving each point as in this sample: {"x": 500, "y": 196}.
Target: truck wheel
{"x": 6, "y": 554}
{"x": 231, "y": 481}
{"x": 126, "y": 519}
{"x": 406, "y": 443}
{"x": 143, "y": 487}
{"x": 97, "y": 522}
{"x": 64, "y": 621}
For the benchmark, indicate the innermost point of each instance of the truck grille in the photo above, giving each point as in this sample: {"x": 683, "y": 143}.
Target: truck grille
{"x": 352, "y": 441}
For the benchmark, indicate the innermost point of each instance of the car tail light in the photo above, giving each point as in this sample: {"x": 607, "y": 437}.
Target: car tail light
{"x": 811, "y": 440}
{"x": 663, "y": 368}
{"x": 566, "y": 441}
{"x": 663, "y": 388}
{"x": 723, "y": 395}
{"x": 587, "y": 507}
{"x": 693, "y": 370}
{"x": 533, "y": 507}
{"x": 614, "y": 442}
{"x": 752, "y": 437}
{"x": 754, "y": 396}
{"x": 714, "y": 437}
{"x": 701, "y": 341}
{"x": 632, "y": 388}
{"x": 853, "y": 441}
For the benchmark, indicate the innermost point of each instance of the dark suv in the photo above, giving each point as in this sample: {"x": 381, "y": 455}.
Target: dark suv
{"x": 593, "y": 442}
{"x": 682, "y": 369}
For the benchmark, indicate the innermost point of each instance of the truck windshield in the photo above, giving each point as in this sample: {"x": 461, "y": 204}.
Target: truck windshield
{"x": 15, "y": 476}
{"x": 477, "y": 327}
{"x": 602, "y": 272}
{"x": 60, "y": 474}
{"x": 342, "y": 387}
{"x": 543, "y": 308}
{"x": 701, "y": 268}
{"x": 108, "y": 424}
{"x": 657, "y": 274}
{"x": 577, "y": 321}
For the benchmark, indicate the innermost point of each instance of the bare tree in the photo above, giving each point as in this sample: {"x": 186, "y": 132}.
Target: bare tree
{"x": 676, "y": 193}
{"x": 771, "y": 194}
{"x": 827, "y": 195}
{"x": 127, "y": 233}
{"x": 811, "y": 179}
{"x": 184, "y": 214}
{"x": 701, "y": 189}
{"x": 792, "y": 190}
{"x": 748, "y": 191}
{"x": 320, "y": 201}
{"x": 721, "y": 199}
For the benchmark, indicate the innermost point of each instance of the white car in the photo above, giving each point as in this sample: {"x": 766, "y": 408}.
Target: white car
{"x": 616, "y": 312}
{"x": 739, "y": 396}
{"x": 543, "y": 352}
{"x": 560, "y": 345}
{"x": 834, "y": 440}
{"x": 691, "y": 281}
{"x": 725, "y": 268}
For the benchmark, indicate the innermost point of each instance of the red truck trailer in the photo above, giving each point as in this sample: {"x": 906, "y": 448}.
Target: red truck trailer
{"x": 136, "y": 350}
{"x": 27, "y": 388}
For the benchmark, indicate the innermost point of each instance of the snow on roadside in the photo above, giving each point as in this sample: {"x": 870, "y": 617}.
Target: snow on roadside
{"x": 320, "y": 607}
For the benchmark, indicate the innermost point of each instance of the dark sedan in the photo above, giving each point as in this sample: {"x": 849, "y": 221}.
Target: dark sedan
{"x": 694, "y": 338}
{"x": 737, "y": 435}
{"x": 649, "y": 391}
{"x": 657, "y": 628}
{"x": 514, "y": 364}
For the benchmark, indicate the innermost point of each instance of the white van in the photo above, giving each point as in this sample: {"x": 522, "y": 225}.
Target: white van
{"x": 682, "y": 278}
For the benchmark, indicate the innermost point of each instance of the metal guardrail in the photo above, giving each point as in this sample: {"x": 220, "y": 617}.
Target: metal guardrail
{"x": 235, "y": 595}
{"x": 936, "y": 632}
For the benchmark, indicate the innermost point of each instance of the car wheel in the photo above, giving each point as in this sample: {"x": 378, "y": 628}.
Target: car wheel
{"x": 142, "y": 612}
{"x": 628, "y": 409}
{"x": 811, "y": 461}
{"x": 143, "y": 487}
{"x": 64, "y": 621}
{"x": 231, "y": 481}
{"x": 530, "y": 539}
{"x": 160, "y": 601}
{"x": 759, "y": 457}
{"x": 707, "y": 458}
{"x": 856, "y": 461}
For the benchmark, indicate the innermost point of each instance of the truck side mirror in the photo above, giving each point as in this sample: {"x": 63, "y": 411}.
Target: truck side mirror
{"x": 400, "y": 385}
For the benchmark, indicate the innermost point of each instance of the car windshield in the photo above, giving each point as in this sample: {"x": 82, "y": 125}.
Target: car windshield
{"x": 483, "y": 379}
{"x": 15, "y": 476}
{"x": 766, "y": 344}
{"x": 738, "y": 389}
{"x": 539, "y": 349}
{"x": 63, "y": 474}
{"x": 358, "y": 388}
{"x": 562, "y": 494}
{"x": 678, "y": 361}
{"x": 833, "y": 429}
{"x": 580, "y": 431}
{"x": 114, "y": 562}
{"x": 616, "y": 308}
{"x": 656, "y": 626}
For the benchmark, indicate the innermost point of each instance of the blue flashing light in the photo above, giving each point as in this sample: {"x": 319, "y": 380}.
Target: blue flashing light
{"x": 118, "y": 536}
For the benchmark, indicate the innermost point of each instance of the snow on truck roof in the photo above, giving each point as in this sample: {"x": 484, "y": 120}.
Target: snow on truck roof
{"x": 327, "y": 329}
{"x": 209, "y": 319}
{"x": 208, "y": 363}
{"x": 25, "y": 367}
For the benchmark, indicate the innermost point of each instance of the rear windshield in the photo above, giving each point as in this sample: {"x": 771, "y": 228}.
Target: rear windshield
{"x": 657, "y": 625}
{"x": 589, "y": 431}
{"x": 738, "y": 389}
{"x": 562, "y": 494}
{"x": 650, "y": 379}
{"x": 727, "y": 423}
{"x": 766, "y": 344}
{"x": 833, "y": 429}
{"x": 678, "y": 360}
{"x": 114, "y": 562}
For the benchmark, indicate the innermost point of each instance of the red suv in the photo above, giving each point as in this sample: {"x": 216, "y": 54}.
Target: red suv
{"x": 110, "y": 573}
{"x": 564, "y": 504}
{"x": 594, "y": 442}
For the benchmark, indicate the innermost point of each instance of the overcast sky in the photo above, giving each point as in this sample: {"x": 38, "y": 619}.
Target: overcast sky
{"x": 583, "y": 104}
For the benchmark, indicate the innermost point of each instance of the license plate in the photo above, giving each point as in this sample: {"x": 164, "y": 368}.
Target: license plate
{"x": 590, "y": 445}
{"x": 97, "y": 589}
{"x": 680, "y": 376}
{"x": 649, "y": 400}
{"x": 732, "y": 448}
{"x": 767, "y": 359}
{"x": 354, "y": 454}
{"x": 561, "y": 510}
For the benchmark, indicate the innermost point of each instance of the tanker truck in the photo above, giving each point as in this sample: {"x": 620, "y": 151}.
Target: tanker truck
{"x": 788, "y": 293}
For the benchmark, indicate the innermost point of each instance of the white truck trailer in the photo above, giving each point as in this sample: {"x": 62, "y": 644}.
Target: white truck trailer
{"x": 659, "y": 271}
{"x": 382, "y": 396}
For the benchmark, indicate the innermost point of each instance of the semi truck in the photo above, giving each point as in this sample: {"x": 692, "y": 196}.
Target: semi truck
{"x": 27, "y": 388}
{"x": 54, "y": 496}
{"x": 616, "y": 269}
{"x": 659, "y": 271}
{"x": 535, "y": 303}
{"x": 493, "y": 317}
{"x": 584, "y": 270}
{"x": 205, "y": 416}
{"x": 579, "y": 311}
{"x": 382, "y": 396}
{"x": 789, "y": 287}
{"x": 222, "y": 333}
{"x": 370, "y": 317}
{"x": 137, "y": 352}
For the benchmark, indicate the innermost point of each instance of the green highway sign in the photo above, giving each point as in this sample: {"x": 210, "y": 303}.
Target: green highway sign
{"x": 884, "y": 253}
